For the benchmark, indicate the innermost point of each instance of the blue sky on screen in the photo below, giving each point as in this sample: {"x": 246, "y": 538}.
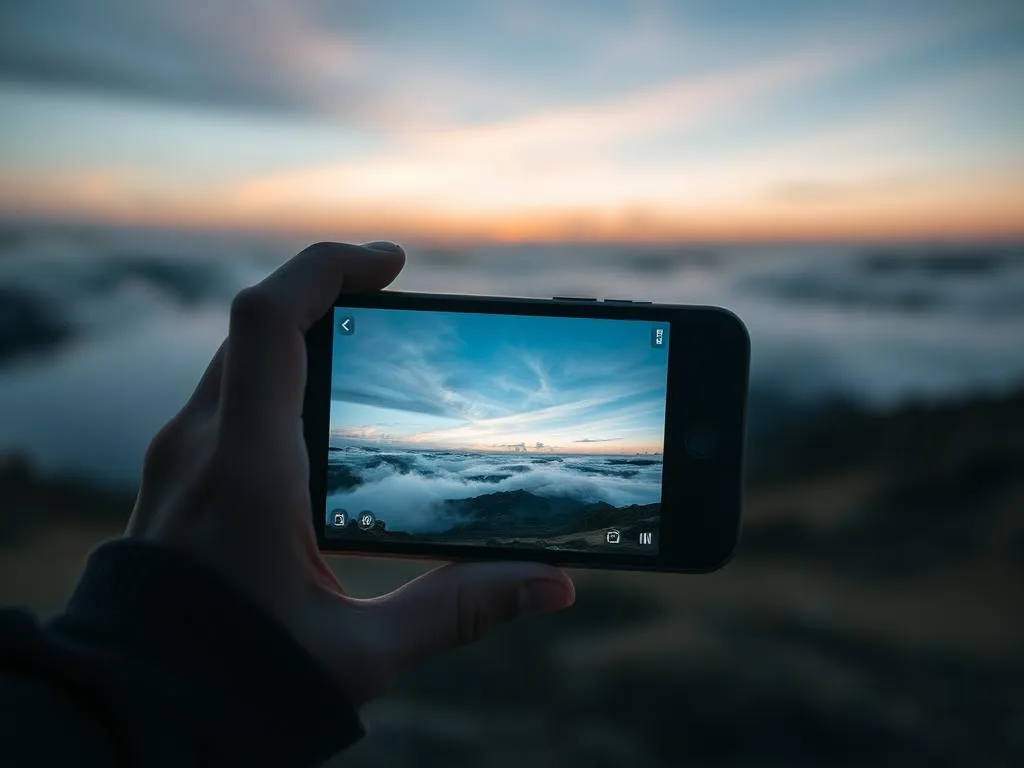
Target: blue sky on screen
{"x": 493, "y": 382}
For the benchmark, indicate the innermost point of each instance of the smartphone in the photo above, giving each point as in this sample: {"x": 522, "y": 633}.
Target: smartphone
{"x": 582, "y": 432}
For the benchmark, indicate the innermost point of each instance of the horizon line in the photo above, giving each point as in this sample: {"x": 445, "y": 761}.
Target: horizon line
{"x": 531, "y": 452}
{"x": 469, "y": 239}
{"x": 502, "y": 448}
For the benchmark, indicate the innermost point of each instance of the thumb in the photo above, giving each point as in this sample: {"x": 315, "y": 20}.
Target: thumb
{"x": 460, "y": 603}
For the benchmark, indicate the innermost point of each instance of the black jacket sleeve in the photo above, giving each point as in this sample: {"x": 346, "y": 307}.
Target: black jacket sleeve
{"x": 157, "y": 661}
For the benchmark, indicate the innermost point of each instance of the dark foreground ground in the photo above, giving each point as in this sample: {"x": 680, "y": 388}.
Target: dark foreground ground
{"x": 874, "y": 615}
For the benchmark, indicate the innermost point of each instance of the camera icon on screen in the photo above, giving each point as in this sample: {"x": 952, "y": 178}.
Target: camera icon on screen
{"x": 612, "y": 536}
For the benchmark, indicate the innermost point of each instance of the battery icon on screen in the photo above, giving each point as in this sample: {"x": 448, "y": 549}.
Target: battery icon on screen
{"x": 657, "y": 337}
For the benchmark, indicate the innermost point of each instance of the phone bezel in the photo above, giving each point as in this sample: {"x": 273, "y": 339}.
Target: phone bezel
{"x": 705, "y": 490}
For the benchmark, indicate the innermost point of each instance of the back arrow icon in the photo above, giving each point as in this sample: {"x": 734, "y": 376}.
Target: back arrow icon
{"x": 347, "y": 326}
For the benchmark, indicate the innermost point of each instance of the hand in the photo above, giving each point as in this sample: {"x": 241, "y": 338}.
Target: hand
{"x": 227, "y": 479}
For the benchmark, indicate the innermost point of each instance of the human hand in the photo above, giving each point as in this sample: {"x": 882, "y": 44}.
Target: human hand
{"x": 227, "y": 479}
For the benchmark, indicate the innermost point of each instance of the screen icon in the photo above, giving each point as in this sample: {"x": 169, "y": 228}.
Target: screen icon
{"x": 347, "y": 325}
{"x": 658, "y": 337}
{"x": 339, "y": 518}
{"x": 646, "y": 537}
{"x": 612, "y": 536}
{"x": 366, "y": 520}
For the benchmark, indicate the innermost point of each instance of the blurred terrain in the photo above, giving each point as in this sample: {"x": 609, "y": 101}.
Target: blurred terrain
{"x": 872, "y": 616}
{"x": 848, "y": 178}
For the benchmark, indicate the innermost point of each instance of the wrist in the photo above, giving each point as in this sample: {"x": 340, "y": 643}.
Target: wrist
{"x": 174, "y": 616}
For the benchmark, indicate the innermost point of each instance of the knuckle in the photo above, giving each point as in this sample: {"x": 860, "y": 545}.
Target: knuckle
{"x": 321, "y": 246}
{"x": 253, "y": 306}
{"x": 162, "y": 449}
{"x": 477, "y": 617}
{"x": 177, "y": 449}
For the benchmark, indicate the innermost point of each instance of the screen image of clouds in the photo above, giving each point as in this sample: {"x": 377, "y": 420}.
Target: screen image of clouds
{"x": 497, "y": 430}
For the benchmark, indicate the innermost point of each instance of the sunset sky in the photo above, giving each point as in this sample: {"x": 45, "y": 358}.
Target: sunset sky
{"x": 467, "y": 120}
{"x": 492, "y": 382}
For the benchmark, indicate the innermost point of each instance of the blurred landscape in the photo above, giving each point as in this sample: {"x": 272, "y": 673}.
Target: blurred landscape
{"x": 848, "y": 178}
{"x": 871, "y": 616}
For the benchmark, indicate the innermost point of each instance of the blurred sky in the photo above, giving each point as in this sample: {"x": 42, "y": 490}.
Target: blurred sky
{"x": 527, "y": 120}
{"x": 490, "y": 382}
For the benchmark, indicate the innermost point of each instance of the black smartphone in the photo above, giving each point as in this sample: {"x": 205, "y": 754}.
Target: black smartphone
{"x": 577, "y": 431}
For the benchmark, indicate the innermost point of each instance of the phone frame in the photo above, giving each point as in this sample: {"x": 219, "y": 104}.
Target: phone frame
{"x": 701, "y": 489}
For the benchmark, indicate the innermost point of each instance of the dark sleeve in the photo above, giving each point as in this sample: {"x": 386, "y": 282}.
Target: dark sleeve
{"x": 157, "y": 661}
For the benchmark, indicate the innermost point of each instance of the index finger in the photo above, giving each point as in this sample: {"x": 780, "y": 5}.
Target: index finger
{"x": 265, "y": 363}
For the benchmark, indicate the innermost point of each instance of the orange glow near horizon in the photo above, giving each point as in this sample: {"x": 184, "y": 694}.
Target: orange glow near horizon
{"x": 749, "y": 134}
{"x": 988, "y": 209}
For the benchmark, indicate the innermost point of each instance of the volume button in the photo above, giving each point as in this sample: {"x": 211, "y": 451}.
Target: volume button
{"x": 573, "y": 298}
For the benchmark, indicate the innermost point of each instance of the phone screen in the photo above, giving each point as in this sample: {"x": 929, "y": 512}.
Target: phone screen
{"x": 513, "y": 431}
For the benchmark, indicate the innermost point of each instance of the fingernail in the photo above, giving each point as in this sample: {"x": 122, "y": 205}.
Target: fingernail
{"x": 383, "y": 245}
{"x": 542, "y": 596}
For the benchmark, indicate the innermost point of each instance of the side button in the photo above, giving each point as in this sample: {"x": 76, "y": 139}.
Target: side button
{"x": 573, "y": 298}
